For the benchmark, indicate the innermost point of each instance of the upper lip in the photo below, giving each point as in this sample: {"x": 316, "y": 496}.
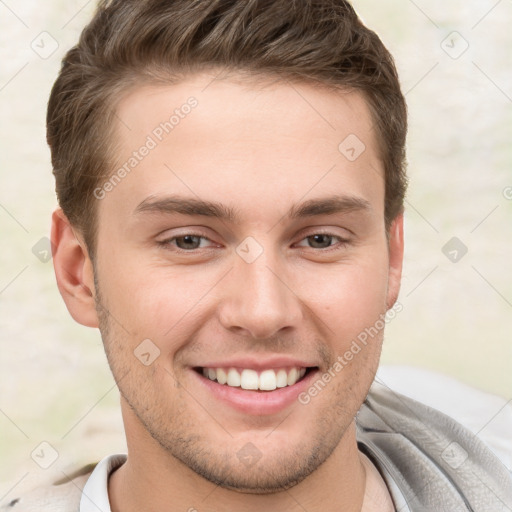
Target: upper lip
{"x": 259, "y": 363}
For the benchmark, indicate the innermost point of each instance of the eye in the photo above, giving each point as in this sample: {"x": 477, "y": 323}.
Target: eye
{"x": 190, "y": 242}
{"x": 323, "y": 241}
{"x": 187, "y": 242}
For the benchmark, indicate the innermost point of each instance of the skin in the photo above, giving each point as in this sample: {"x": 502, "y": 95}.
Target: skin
{"x": 259, "y": 149}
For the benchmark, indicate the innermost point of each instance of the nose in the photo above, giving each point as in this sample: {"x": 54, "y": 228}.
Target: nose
{"x": 259, "y": 301}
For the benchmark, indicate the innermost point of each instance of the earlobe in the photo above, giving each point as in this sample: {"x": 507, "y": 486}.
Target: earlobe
{"x": 396, "y": 256}
{"x": 73, "y": 271}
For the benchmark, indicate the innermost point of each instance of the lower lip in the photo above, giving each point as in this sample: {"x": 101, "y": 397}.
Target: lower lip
{"x": 257, "y": 402}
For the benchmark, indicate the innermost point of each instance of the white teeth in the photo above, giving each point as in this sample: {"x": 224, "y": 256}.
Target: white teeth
{"x": 282, "y": 378}
{"x": 249, "y": 379}
{"x": 233, "y": 378}
{"x": 293, "y": 376}
{"x": 267, "y": 380}
{"x": 222, "y": 376}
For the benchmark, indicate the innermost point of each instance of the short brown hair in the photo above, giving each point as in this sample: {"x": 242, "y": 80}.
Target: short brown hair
{"x": 129, "y": 42}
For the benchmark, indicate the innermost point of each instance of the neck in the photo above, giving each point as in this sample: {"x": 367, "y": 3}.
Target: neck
{"x": 153, "y": 480}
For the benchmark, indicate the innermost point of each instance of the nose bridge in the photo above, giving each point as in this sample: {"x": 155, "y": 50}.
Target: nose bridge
{"x": 257, "y": 300}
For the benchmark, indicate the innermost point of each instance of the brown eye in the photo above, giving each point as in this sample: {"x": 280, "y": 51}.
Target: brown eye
{"x": 323, "y": 241}
{"x": 188, "y": 242}
{"x": 320, "y": 241}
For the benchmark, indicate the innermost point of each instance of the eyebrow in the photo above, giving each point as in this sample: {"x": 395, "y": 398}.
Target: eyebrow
{"x": 189, "y": 206}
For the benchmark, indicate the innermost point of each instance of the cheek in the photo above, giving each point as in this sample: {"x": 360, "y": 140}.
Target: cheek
{"x": 154, "y": 302}
{"x": 350, "y": 297}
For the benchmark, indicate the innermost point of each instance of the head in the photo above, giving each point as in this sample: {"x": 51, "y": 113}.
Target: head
{"x": 231, "y": 179}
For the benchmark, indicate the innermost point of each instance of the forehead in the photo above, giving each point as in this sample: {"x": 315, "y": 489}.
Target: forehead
{"x": 276, "y": 141}
{"x": 240, "y": 98}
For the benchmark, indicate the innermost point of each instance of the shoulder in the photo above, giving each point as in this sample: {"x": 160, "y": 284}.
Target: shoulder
{"x": 59, "y": 496}
{"x": 430, "y": 455}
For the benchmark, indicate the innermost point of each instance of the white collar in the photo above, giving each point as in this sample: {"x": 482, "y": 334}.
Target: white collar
{"x": 95, "y": 492}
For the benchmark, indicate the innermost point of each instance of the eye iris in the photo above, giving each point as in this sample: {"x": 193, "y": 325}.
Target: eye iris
{"x": 190, "y": 239}
{"x": 319, "y": 239}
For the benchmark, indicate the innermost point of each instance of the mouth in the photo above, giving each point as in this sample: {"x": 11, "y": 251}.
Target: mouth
{"x": 256, "y": 391}
{"x": 266, "y": 380}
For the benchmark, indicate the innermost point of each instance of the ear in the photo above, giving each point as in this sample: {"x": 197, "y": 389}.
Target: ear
{"x": 73, "y": 270}
{"x": 396, "y": 256}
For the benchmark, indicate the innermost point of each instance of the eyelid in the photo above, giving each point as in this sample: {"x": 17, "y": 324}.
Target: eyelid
{"x": 170, "y": 234}
{"x": 330, "y": 231}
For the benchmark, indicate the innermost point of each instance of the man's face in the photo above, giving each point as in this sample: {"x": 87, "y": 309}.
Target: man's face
{"x": 275, "y": 287}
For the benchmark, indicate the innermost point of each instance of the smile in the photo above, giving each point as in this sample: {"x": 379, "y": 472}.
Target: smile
{"x": 255, "y": 386}
{"x": 249, "y": 379}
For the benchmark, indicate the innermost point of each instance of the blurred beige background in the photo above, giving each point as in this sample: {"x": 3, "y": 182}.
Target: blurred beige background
{"x": 455, "y": 66}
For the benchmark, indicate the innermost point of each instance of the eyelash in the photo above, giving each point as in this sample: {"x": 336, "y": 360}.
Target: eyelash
{"x": 165, "y": 244}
